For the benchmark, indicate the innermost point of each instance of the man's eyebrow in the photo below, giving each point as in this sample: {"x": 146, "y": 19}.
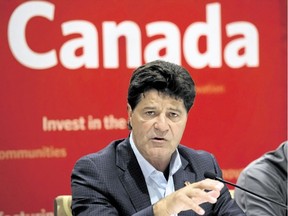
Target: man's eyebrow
{"x": 175, "y": 110}
{"x": 149, "y": 108}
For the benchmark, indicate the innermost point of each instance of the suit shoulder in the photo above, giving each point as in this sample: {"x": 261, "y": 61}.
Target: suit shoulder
{"x": 105, "y": 154}
{"x": 200, "y": 161}
{"x": 189, "y": 152}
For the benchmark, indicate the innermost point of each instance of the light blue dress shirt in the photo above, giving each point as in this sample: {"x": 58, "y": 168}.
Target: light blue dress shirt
{"x": 158, "y": 186}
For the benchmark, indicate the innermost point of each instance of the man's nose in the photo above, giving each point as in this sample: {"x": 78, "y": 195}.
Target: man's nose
{"x": 161, "y": 123}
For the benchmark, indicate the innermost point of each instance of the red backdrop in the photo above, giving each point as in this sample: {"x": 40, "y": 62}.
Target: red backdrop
{"x": 65, "y": 68}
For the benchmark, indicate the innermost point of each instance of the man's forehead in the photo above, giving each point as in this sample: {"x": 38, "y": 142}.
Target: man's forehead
{"x": 154, "y": 93}
{"x": 151, "y": 98}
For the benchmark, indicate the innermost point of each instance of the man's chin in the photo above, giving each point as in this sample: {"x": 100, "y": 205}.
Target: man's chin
{"x": 160, "y": 153}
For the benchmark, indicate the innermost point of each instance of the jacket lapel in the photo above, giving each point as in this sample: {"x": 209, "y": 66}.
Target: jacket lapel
{"x": 131, "y": 176}
{"x": 182, "y": 175}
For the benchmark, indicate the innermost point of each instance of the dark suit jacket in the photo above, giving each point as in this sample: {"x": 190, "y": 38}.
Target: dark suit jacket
{"x": 110, "y": 182}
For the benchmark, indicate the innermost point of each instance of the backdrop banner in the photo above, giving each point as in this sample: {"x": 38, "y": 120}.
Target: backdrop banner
{"x": 65, "y": 70}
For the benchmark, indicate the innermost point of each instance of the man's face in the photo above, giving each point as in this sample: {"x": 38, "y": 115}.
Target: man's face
{"x": 158, "y": 122}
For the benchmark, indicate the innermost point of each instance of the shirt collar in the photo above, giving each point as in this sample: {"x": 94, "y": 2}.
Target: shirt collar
{"x": 147, "y": 168}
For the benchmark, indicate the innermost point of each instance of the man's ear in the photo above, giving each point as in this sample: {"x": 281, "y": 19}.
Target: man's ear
{"x": 129, "y": 111}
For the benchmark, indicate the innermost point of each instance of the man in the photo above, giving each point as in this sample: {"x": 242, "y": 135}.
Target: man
{"x": 150, "y": 173}
{"x": 266, "y": 176}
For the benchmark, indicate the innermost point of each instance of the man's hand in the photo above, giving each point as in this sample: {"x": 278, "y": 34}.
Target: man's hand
{"x": 189, "y": 197}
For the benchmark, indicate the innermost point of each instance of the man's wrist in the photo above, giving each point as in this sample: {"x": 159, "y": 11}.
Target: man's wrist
{"x": 159, "y": 209}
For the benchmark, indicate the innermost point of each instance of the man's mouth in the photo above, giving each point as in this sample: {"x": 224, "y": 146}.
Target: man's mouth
{"x": 159, "y": 139}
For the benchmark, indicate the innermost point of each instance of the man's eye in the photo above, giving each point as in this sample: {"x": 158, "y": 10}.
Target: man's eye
{"x": 150, "y": 113}
{"x": 173, "y": 115}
